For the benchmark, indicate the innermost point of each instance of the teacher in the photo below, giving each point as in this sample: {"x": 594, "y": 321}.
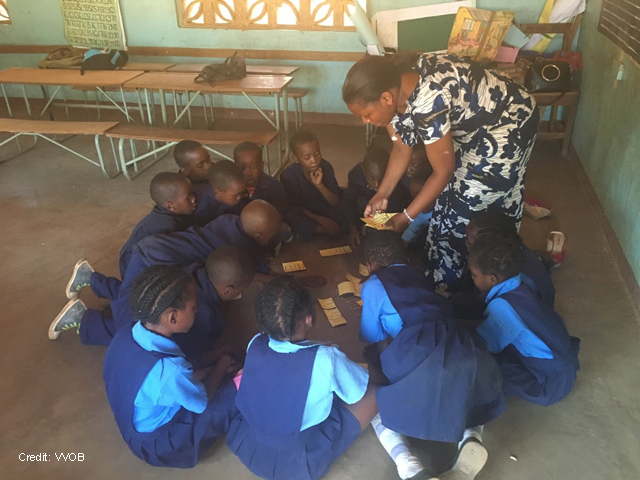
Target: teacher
{"x": 478, "y": 129}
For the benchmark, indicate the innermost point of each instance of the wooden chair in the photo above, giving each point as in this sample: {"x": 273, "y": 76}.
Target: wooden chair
{"x": 557, "y": 130}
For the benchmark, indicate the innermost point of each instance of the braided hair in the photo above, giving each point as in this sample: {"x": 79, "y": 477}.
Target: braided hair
{"x": 495, "y": 222}
{"x": 384, "y": 248}
{"x": 156, "y": 289}
{"x": 495, "y": 254}
{"x": 281, "y": 306}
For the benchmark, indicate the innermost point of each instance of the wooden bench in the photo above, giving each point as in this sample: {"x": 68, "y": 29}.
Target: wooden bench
{"x": 41, "y": 128}
{"x": 171, "y": 136}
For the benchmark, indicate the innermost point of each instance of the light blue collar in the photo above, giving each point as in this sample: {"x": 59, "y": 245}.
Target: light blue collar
{"x": 504, "y": 287}
{"x": 153, "y": 342}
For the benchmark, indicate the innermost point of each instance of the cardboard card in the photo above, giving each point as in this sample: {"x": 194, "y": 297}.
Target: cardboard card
{"x": 359, "y": 302}
{"x": 353, "y": 279}
{"x": 330, "y": 252}
{"x": 335, "y": 317}
{"x": 327, "y": 303}
{"x": 378, "y": 221}
{"x": 346, "y": 288}
{"x": 293, "y": 266}
{"x": 363, "y": 270}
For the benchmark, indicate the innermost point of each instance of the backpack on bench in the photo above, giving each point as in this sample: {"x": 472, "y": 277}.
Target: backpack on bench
{"x": 103, "y": 60}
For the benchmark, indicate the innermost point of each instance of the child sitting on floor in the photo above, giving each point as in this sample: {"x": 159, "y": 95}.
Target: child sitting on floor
{"x": 436, "y": 383}
{"x": 364, "y": 180}
{"x": 175, "y": 203}
{"x": 194, "y": 161}
{"x": 312, "y": 188}
{"x": 418, "y": 160}
{"x": 537, "y": 356}
{"x": 418, "y": 228}
{"x": 168, "y": 414}
{"x": 291, "y": 423}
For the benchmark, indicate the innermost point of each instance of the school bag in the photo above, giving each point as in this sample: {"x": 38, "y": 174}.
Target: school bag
{"x": 64, "y": 57}
{"x": 232, "y": 68}
{"x": 106, "y": 59}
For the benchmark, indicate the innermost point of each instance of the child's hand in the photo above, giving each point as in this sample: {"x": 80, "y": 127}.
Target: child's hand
{"x": 316, "y": 177}
{"x": 354, "y": 237}
{"x": 329, "y": 226}
{"x": 376, "y": 204}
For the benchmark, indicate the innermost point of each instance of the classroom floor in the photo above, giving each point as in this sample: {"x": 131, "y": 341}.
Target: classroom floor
{"x": 57, "y": 209}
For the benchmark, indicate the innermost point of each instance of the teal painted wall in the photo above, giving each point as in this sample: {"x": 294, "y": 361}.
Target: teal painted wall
{"x": 153, "y": 23}
{"x": 607, "y": 131}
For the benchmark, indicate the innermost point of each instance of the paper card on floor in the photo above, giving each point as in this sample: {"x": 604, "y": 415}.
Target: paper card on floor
{"x": 378, "y": 220}
{"x": 363, "y": 270}
{"x": 327, "y": 303}
{"x": 353, "y": 279}
{"x": 346, "y": 288}
{"x": 357, "y": 286}
{"x": 364, "y": 365}
{"x": 293, "y": 266}
{"x": 359, "y": 302}
{"x": 335, "y": 317}
{"x": 330, "y": 252}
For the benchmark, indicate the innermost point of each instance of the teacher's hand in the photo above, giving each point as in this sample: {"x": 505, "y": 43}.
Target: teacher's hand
{"x": 398, "y": 223}
{"x": 377, "y": 203}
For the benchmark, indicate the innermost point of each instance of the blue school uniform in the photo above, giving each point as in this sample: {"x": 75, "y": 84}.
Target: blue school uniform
{"x": 419, "y": 225}
{"x": 440, "y": 381}
{"x": 536, "y": 275}
{"x": 289, "y": 426}
{"x": 303, "y": 193}
{"x": 209, "y": 322}
{"x": 537, "y": 356}
{"x": 161, "y": 410}
{"x": 208, "y": 208}
{"x": 358, "y": 193}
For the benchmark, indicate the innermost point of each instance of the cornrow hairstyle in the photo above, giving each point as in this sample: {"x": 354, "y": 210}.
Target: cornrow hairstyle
{"x": 156, "y": 289}
{"x": 494, "y": 221}
{"x": 422, "y": 174}
{"x": 166, "y": 186}
{"x": 378, "y": 157}
{"x": 223, "y": 173}
{"x": 300, "y": 138}
{"x": 247, "y": 147}
{"x": 496, "y": 254}
{"x": 281, "y": 306}
{"x": 183, "y": 149}
{"x": 384, "y": 248}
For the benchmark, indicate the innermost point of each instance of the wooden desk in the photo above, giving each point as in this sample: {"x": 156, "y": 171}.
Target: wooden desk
{"x": 251, "y": 69}
{"x": 147, "y": 67}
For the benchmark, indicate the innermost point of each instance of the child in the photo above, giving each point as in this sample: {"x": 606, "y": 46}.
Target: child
{"x": 175, "y": 203}
{"x": 437, "y": 383}
{"x": 168, "y": 414}
{"x": 418, "y": 159}
{"x": 420, "y": 224}
{"x": 364, "y": 180}
{"x": 194, "y": 162}
{"x": 227, "y": 272}
{"x": 312, "y": 188}
{"x": 538, "y": 358}
{"x": 291, "y": 425}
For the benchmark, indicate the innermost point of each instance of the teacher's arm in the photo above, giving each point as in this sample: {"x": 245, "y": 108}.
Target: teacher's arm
{"x": 442, "y": 158}
{"x": 398, "y": 163}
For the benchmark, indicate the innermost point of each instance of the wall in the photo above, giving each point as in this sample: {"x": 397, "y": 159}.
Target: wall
{"x": 607, "y": 131}
{"x": 153, "y": 23}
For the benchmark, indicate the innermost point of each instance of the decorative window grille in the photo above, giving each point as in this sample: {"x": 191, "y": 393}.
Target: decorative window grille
{"x": 267, "y": 14}
{"x": 4, "y": 13}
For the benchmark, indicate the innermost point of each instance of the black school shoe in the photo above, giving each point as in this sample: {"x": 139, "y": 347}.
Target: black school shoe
{"x": 80, "y": 278}
{"x": 471, "y": 458}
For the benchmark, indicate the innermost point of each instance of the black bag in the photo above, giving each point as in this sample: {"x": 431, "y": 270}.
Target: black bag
{"x": 103, "y": 60}
{"x": 548, "y": 77}
{"x": 231, "y": 69}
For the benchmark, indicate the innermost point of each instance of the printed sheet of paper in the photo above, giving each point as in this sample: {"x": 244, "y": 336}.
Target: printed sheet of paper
{"x": 330, "y": 252}
{"x": 363, "y": 270}
{"x": 346, "y": 288}
{"x": 293, "y": 266}
{"x": 352, "y": 279}
{"x": 378, "y": 220}
{"x": 335, "y": 317}
{"x": 327, "y": 303}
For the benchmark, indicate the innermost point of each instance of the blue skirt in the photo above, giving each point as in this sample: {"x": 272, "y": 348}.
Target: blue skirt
{"x": 305, "y": 456}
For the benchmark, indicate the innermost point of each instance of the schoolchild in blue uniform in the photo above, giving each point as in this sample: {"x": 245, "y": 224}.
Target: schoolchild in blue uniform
{"x": 227, "y": 272}
{"x": 175, "y": 202}
{"x": 167, "y": 412}
{"x": 301, "y": 403}
{"x": 436, "y": 382}
{"x": 363, "y": 183}
{"x": 312, "y": 188}
{"x": 416, "y": 232}
{"x": 218, "y": 189}
{"x": 418, "y": 160}
{"x": 537, "y": 356}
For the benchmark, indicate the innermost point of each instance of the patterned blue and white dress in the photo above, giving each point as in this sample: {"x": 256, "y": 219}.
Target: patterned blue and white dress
{"x": 493, "y": 122}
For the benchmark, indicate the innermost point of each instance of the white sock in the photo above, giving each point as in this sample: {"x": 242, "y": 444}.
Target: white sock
{"x": 396, "y": 446}
{"x": 475, "y": 432}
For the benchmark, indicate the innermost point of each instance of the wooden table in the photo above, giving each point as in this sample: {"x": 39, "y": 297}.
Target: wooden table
{"x": 251, "y": 69}
{"x": 147, "y": 67}
{"x": 182, "y": 82}
{"x": 63, "y": 77}
{"x": 557, "y": 131}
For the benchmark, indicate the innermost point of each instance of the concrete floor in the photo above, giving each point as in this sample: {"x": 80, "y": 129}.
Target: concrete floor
{"x": 57, "y": 209}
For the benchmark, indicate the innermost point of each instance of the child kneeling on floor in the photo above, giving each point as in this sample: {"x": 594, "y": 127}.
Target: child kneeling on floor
{"x": 167, "y": 413}
{"x": 291, "y": 424}
{"x": 537, "y": 356}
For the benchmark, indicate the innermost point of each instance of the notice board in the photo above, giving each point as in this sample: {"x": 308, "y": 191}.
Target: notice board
{"x": 620, "y": 21}
{"x": 93, "y": 23}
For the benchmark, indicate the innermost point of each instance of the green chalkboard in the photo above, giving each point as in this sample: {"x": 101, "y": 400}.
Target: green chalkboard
{"x": 425, "y": 34}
